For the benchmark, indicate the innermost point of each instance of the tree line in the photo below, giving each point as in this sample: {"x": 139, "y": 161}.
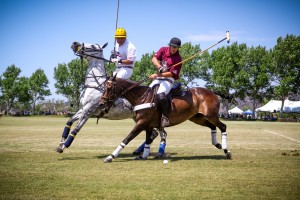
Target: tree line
{"x": 243, "y": 72}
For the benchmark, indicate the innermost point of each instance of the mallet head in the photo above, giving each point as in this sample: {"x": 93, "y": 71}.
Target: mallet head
{"x": 227, "y": 36}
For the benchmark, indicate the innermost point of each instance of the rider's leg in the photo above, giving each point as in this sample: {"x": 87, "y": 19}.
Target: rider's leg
{"x": 163, "y": 106}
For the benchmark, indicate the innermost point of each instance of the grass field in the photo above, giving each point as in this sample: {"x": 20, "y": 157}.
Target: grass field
{"x": 265, "y": 165}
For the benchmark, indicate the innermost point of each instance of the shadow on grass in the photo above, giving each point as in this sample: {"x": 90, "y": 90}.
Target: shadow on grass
{"x": 130, "y": 157}
{"x": 75, "y": 158}
{"x": 127, "y": 157}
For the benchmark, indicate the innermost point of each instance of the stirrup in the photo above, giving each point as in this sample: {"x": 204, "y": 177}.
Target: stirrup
{"x": 165, "y": 121}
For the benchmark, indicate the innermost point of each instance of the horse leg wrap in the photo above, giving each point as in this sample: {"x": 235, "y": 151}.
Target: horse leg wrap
{"x": 146, "y": 151}
{"x": 163, "y": 135}
{"x": 214, "y": 137}
{"x": 67, "y": 129}
{"x": 118, "y": 150}
{"x": 70, "y": 138}
{"x": 141, "y": 148}
{"x": 163, "y": 142}
{"x": 224, "y": 140}
{"x": 162, "y": 147}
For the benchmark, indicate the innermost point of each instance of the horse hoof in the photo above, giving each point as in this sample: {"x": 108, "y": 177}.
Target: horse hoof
{"x": 108, "y": 159}
{"x": 228, "y": 155}
{"x": 218, "y": 145}
{"x": 59, "y": 150}
{"x": 159, "y": 156}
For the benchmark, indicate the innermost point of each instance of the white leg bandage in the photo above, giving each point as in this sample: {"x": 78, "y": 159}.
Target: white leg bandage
{"x": 224, "y": 140}
{"x": 214, "y": 137}
{"x": 118, "y": 150}
{"x": 146, "y": 151}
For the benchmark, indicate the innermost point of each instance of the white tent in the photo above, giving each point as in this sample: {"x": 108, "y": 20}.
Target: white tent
{"x": 235, "y": 110}
{"x": 289, "y": 106}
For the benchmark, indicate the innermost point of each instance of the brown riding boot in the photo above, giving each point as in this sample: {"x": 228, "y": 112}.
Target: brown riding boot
{"x": 163, "y": 105}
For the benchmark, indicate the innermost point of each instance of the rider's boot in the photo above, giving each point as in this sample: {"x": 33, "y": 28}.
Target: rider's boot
{"x": 163, "y": 106}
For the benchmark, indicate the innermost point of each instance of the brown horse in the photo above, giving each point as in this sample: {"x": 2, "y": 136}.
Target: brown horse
{"x": 198, "y": 105}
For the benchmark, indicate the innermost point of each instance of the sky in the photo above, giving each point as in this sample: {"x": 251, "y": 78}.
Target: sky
{"x": 38, "y": 33}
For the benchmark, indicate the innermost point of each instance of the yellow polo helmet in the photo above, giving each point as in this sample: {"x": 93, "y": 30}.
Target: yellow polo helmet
{"x": 120, "y": 33}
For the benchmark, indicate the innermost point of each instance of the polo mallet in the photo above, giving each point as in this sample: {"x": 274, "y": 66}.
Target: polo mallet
{"x": 226, "y": 38}
{"x": 113, "y": 52}
{"x": 117, "y": 22}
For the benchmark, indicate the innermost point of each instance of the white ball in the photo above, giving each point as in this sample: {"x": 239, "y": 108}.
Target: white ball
{"x": 165, "y": 161}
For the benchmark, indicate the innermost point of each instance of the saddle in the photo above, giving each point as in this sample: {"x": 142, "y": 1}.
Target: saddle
{"x": 176, "y": 91}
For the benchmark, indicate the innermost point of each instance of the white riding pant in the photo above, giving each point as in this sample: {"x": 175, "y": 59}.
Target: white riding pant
{"x": 124, "y": 73}
{"x": 164, "y": 85}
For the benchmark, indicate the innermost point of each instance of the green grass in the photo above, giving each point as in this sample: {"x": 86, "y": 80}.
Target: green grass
{"x": 265, "y": 162}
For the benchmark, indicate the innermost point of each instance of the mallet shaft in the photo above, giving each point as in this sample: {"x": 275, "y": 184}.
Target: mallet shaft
{"x": 226, "y": 38}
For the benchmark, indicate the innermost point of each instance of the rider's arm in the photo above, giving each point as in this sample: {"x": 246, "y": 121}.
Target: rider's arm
{"x": 164, "y": 74}
{"x": 156, "y": 62}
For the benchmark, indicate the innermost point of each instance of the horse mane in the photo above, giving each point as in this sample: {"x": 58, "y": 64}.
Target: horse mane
{"x": 129, "y": 85}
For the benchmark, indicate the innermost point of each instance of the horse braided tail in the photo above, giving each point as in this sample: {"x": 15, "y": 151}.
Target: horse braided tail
{"x": 230, "y": 97}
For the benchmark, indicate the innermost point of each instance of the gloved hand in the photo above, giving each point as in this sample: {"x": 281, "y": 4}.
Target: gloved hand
{"x": 114, "y": 60}
{"x": 114, "y": 54}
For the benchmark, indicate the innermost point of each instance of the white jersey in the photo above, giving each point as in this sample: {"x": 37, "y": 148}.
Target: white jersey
{"x": 127, "y": 51}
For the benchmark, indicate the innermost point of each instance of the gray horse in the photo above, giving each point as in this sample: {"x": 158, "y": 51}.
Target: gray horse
{"x": 95, "y": 79}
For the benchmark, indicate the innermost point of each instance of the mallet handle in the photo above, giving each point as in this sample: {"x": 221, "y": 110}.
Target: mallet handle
{"x": 199, "y": 53}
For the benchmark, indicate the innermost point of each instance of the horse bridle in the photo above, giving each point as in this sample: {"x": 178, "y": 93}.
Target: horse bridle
{"x": 109, "y": 100}
{"x": 81, "y": 51}
{"x": 113, "y": 97}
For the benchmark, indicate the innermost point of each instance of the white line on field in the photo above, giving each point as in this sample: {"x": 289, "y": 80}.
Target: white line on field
{"x": 281, "y": 135}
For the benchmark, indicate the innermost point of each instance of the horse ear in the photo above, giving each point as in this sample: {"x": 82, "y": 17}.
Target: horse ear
{"x": 103, "y": 46}
{"x": 115, "y": 76}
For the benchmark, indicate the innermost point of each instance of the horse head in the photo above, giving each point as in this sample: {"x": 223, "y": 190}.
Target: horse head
{"x": 88, "y": 50}
{"x": 111, "y": 93}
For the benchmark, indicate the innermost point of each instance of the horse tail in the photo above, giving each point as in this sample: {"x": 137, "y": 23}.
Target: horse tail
{"x": 223, "y": 95}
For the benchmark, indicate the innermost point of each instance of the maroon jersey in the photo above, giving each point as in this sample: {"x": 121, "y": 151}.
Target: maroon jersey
{"x": 163, "y": 54}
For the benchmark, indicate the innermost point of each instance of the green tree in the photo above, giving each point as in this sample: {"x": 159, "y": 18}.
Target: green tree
{"x": 286, "y": 71}
{"x": 258, "y": 66}
{"x": 226, "y": 71}
{"x": 8, "y": 83}
{"x": 23, "y": 94}
{"x": 38, "y": 87}
{"x": 191, "y": 69}
{"x": 143, "y": 69}
{"x": 70, "y": 80}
